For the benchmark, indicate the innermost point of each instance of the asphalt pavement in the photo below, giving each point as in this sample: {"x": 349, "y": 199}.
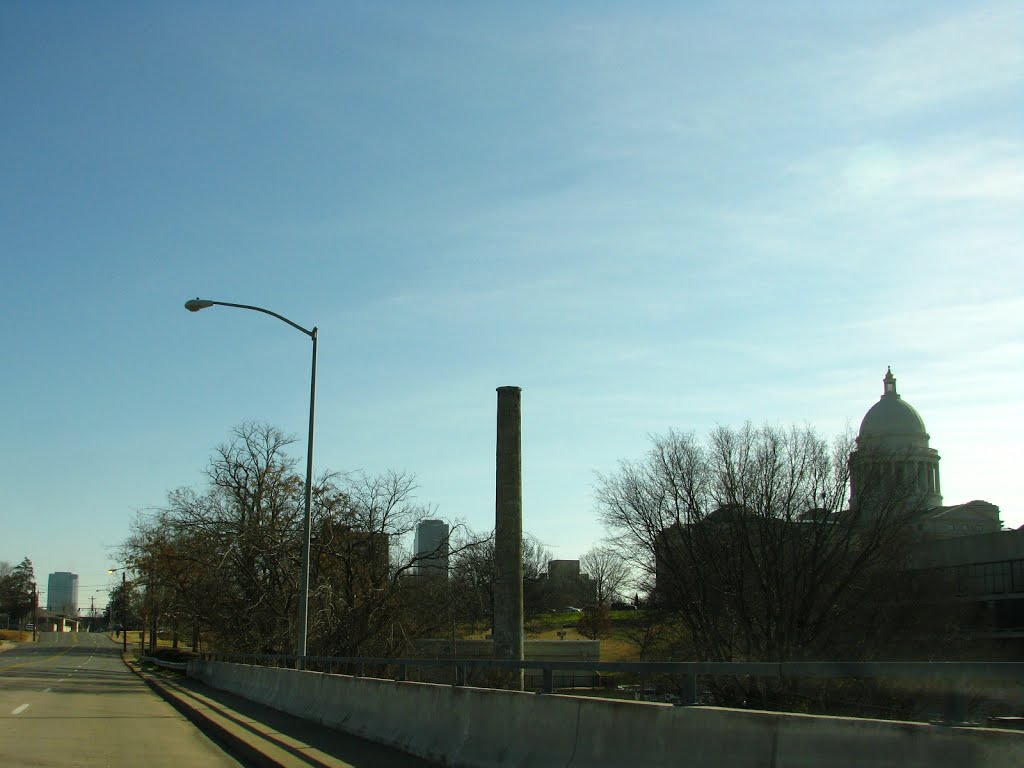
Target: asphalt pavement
{"x": 71, "y": 700}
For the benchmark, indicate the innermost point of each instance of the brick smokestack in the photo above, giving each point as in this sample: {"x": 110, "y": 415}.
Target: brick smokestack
{"x": 508, "y": 531}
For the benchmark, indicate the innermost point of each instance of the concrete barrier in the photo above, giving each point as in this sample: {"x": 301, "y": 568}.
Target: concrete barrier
{"x": 479, "y": 728}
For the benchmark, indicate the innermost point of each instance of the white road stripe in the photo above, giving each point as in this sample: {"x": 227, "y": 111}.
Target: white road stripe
{"x": 20, "y": 709}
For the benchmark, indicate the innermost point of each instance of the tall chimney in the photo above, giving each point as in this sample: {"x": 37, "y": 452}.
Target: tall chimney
{"x": 508, "y": 531}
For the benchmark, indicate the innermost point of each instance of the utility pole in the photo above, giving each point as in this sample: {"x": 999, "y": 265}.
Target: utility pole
{"x": 35, "y": 610}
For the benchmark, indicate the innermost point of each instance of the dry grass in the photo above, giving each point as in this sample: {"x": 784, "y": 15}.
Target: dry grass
{"x": 134, "y": 637}
{"x": 552, "y": 634}
{"x": 14, "y": 635}
{"x": 616, "y": 647}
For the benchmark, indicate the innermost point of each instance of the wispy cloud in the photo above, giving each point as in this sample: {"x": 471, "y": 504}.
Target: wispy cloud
{"x": 1000, "y": 322}
{"x": 954, "y": 168}
{"x": 956, "y": 56}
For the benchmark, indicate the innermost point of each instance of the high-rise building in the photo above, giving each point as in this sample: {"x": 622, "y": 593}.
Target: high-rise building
{"x": 432, "y": 548}
{"x": 62, "y": 593}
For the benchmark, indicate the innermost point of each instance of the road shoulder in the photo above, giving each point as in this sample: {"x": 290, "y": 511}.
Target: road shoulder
{"x": 263, "y": 736}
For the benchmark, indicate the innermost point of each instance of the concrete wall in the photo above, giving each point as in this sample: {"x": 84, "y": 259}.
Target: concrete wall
{"x": 462, "y": 726}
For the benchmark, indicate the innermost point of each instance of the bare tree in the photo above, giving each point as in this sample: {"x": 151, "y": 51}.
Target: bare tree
{"x": 363, "y": 579}
{"x": 226, "y": 559}
{"x": 607, "y": 570}
{"x": 747, "y": 542}
{"x": 473, "y": 577}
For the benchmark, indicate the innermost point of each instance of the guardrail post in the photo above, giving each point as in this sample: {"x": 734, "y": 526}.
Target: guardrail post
{"x": 954, "y": 707}
{"x": 689, "y": 689}
{"x": 549, "y": 680}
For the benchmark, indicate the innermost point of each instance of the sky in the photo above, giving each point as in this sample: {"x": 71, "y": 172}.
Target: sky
{"x": 672, "y": 215}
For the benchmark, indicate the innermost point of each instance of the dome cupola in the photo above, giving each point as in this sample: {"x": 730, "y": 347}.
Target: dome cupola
{"x": 892, "y": 422}
{"x": 893, "y": 443}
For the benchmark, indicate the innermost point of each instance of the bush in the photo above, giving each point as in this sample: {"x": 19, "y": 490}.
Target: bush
{"x": 595, "y": 622}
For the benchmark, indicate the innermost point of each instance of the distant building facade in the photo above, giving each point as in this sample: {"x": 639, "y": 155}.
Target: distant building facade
{"x": 567, "y": 586}
{"x": 983, "y": 572}
{"x": 62, "y": 593}
{"x": 432, "y": 548}
{"x": 563, "y": 570}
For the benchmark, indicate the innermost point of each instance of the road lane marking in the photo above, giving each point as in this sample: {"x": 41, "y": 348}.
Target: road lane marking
{"x": 33, "y": 661}
{"x": 20, "y": 709}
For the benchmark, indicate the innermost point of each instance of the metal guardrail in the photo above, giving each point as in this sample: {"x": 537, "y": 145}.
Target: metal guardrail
{"x": 952, "y": 676}
{"x": 180, "y": 666}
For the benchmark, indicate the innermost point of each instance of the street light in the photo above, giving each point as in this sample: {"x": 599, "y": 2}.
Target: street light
{"x": 124, "y": 609}
{"x": 196, "y": 304}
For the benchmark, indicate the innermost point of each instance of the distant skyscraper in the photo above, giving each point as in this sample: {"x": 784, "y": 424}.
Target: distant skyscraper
{"x": 432, "y": 548}
{"x": 62, "y": 593}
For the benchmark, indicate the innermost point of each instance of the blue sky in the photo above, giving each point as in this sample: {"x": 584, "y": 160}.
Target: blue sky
{"x": 676, "y": 215}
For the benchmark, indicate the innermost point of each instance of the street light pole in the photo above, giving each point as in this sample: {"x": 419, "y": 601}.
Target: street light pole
{"x": 124, "y": 613}
{"x": 194, "y": 305}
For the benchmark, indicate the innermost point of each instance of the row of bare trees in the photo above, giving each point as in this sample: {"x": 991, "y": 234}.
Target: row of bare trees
{"x": 744, "y": 542}
{"x": 224, "y": 561}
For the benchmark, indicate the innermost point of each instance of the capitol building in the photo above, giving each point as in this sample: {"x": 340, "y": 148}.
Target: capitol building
{"x": 892, "y": 434}
{"x": 960, "y": 546}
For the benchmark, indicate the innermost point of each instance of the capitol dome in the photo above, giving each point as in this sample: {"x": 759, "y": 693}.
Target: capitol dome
{"x": 893, "y": 443}
{"x": 892, "y": 421}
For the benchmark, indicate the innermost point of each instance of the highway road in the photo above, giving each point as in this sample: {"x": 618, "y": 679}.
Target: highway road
{"x": 69, "y": 700}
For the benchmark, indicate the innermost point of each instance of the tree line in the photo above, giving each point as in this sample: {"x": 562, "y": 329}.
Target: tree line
{"x": 743, "y": 543}
{"x": 221, "y": 564}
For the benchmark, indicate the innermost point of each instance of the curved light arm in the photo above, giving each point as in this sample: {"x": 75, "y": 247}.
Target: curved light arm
{"x": 194, "y": 305}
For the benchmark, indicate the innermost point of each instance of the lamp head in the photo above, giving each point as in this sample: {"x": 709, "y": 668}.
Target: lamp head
{"x": 194, "y": 305}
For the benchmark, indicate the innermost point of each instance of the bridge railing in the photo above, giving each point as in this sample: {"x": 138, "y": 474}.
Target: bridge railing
{"x": 953, "y": 680}
{"x": 178, "y": 666}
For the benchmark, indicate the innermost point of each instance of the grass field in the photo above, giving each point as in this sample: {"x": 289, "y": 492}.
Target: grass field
{"x": 614, "y": 647}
